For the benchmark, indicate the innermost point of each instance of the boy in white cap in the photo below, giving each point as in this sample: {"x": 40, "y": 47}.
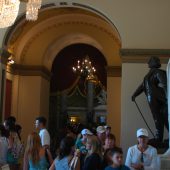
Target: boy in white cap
{"x": 142, "y": 156}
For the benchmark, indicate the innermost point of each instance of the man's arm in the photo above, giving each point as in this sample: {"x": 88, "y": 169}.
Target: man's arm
{"x": 128, "y": 161}
{"x": 154, "y": 163}
{"x": 45, "y": 140}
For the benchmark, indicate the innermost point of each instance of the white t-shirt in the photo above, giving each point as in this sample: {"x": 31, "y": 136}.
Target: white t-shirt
{"x": 149, "y": 158}
{"x": 45, "y": 137}
{"x": 3, "y": 150}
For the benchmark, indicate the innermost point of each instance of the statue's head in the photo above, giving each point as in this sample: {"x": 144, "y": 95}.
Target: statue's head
{"x": 154, "y": 62}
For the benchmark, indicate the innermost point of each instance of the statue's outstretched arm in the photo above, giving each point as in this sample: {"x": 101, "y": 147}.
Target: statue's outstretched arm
{"x": 138, "y": 91}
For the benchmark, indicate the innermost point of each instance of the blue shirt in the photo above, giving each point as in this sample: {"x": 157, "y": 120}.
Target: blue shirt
{"x": 123, "y": 167}
{"x": 3, "y": 150}
{"x": 42, "y": 164}
{"x": 62, "y": 164}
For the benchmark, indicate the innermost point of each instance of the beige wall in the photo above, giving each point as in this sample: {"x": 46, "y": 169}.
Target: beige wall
{"x": 28, "y": 104}
{"x": 44, "y": 98}
{"x": 141, "y": 24}
{"x": 114, "y": 105}
{"x": 29, "y": 100}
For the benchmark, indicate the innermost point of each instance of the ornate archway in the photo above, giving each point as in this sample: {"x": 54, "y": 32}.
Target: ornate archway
{"x": 34, "y": 46}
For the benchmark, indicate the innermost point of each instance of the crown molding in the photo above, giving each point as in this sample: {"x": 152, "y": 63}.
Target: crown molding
{"x": 114, "y": 71}
{"x": 29, "y": 70}
{"x": 143, "y": 55}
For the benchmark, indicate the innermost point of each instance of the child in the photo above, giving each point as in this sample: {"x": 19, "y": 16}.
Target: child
{"x": 117, "y": 159}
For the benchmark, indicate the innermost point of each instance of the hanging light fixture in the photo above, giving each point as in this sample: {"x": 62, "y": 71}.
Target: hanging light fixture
{"x": 8, "y": 12}
{"x": 86, "y": 69}
{"x": 32, "y": 9}
{"x": 11, "y": 60}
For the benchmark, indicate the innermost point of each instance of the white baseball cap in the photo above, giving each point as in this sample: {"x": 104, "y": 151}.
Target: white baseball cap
{"x": 86, "y": 132}
{"x": 101, "y": 129}
{"x": 142, "y": 132}
{"x": 107, "y": 127}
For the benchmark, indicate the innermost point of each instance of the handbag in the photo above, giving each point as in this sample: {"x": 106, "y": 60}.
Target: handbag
{"x": 47, "y": 158}
{"x": 5, "y": 167}
{"x": 10, "y": 158}
{"x": 73, "y": 163}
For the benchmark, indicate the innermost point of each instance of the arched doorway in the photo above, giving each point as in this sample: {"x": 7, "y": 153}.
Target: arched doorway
{"x": 35, "y": 45}
{"x": 69, "y": 91}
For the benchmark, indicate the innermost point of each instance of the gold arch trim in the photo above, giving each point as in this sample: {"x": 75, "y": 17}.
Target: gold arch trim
{"x": 26, "y": 48}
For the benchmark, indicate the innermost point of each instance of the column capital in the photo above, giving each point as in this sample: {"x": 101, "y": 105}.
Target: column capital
{"x": 143, "y": 55}
{"x": 31, "y": 70}
{"x": 114, "y": 71}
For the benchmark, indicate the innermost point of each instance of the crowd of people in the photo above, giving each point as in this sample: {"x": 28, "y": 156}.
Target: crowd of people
{"x": 88, "y": 150}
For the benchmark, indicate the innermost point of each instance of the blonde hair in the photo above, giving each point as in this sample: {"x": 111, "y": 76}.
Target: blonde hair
{"x": 33, "y": 147}
{"x": 96, "y": 146}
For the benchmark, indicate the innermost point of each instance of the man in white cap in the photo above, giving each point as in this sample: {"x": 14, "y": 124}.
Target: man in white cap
{"x": 142, "y": 156}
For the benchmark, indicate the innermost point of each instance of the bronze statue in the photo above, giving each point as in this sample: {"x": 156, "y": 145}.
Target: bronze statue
{"x": 154, "y": 86}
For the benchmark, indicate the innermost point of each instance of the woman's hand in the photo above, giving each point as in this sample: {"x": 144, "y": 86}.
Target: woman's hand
{"x": 137, "y": 166}
{"x": 77, "y": 153}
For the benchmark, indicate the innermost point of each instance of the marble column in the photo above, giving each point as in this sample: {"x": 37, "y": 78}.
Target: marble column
{"x": 167, "y": 153}
{"x": 3, "y": 63}
{"x": 90, "y": 98}
{"x": 2, "y": 90}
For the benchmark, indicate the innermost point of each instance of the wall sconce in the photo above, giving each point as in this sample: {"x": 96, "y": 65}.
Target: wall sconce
{"x": 10, "y": 60}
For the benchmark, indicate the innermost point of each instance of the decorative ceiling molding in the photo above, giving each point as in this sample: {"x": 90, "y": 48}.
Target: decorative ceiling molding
{"x": 60, "y": 9}
{"x": 143, "y": 55}
{"x": 114, "y": 71}
{"x": 29, "y": 70}
{"x": 99, "y": 13}
{"x": 57, "y": 22}
{"x": 25, "y": 33}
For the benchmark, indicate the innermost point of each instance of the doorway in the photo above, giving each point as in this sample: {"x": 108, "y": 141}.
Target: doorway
{"x": 69, "y": 91}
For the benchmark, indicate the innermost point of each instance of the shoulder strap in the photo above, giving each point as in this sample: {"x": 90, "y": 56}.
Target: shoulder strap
{"x": 46, "y": 155}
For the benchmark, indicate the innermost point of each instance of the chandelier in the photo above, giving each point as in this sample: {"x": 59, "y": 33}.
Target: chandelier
{"x": 85, "y": 69}
{"x": 9, "y": 11}
{"x": 32, "y": 9}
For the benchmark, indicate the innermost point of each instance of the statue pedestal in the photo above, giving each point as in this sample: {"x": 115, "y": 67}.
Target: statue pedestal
{"x": 164, "y": 162}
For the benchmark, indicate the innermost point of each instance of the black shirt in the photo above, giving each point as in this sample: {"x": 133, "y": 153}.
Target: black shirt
{"x": 93, "y": 162}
